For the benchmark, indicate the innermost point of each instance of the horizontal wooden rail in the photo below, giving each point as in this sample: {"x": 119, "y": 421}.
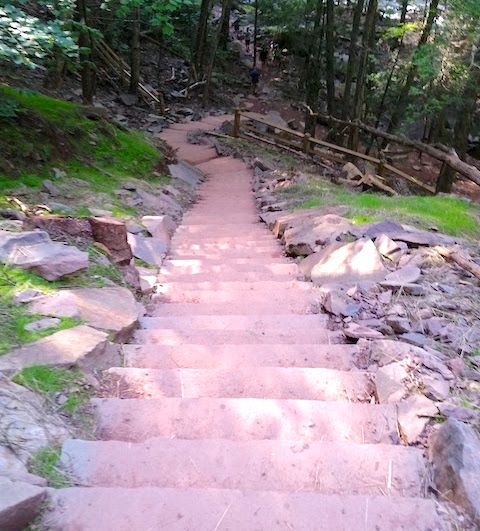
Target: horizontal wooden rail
{"x": 307, "y": 144}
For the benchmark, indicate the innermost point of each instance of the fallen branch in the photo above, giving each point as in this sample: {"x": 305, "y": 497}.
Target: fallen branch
{"x": 462, "y": 261}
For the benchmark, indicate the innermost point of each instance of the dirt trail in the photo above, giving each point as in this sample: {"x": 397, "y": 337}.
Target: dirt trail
{"x": 237, "y": 408}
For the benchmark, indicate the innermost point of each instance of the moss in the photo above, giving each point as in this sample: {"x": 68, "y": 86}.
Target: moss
{"x": 45, "y": 464}
{"x": 49, "y": 381}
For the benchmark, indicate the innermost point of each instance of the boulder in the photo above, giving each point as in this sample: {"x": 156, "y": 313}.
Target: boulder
{"x": 400, "y": 325}
{"x": 112, "y": 233}
{"x": 414, "y": 338}
{"x": 10, "y": 241}
{"x": 373, "y": 230}
{"x": 148, "y": 279}
{"x": 313, "y": 233}
{"x": 435, "y": 387}
{"x": 387, "y": 247}
{"x": 42, "y": 324}
{"x": 454, "y": 453}
{"x": 419, "y": 238}
{"x": 405, "y": 275}
{"x": 13, "y": 468}
{"x": 26, "y": 424}
{"x": 414, "y": 413}
{"x": 161, "y": 227}
{"x": 60, "y": 226}
{"x": 351, "y": 262}
{"x": 186, "y": 173}
{"x": 150, "y": 250}
{"x": 51, "y": 260}
{"x": 355, "y": 331}
{"x": 285, "y": 220}
{"x": 409, "y": 289}
{"x": 78, "y": 346}
{"x": 50, "y": 188}
{"x": 389, "y": 382}
{"x": 112, "y": 309}
{"x": 27, "y": 295}
{"x": 20, "y": 503}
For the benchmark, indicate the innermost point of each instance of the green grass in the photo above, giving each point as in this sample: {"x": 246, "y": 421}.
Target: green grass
{"x": 448, "y": 214}
{"x": 45, "y": 464}
{"x": 48, "y": 380}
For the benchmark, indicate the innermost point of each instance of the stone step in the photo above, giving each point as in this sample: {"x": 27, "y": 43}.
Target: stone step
{"x": 228, "y": 276}
{"x": 195, "y": 154}
{"x": 262, "y": 289}
{"x": 226, "y": 247}
{"x": 290, "y": 323}
{"x": 223, "y": 164}
{"x": 245, "y": 419}
{"x": 194, "y": 218}
{"x": 281, "y": 466}
{"x": 195, "y": 263}
{"x": 174, "y": 269}
{"x": 339, "y": 357}
{"x": 238, "y": 306}
{"x": 252, "y": 382}
{"x": 239, "y": 228}
{"x": 219, "y": 254}
{"x": 176, "y": 336}
{"x": 153, "y": 508}
{"x": 240, "y": 239}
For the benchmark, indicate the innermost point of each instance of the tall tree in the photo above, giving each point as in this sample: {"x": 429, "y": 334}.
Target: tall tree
{"x": 201, "y": 36}
{"x": 404, "y": 11}
{"x": 330, "y": 56}
{"x": 85, "y": 45}
{"x": 135, "y": 52}
{"x": 312, "y": 80}
{"x": 401, "y": 105}
{"x": 352, "y": 59}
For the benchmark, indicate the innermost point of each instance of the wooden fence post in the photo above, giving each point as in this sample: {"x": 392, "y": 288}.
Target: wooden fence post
{"x": 236, "y": 124}
{"x": 307, "y": 146}
{"x": 381, "y": 164}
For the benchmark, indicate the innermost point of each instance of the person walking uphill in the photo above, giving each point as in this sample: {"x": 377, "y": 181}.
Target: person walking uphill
{"x": 255, "y": 78}
{"x": 248, "y": 38}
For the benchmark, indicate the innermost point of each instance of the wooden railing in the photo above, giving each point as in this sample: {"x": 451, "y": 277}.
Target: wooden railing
{"x": 305, "y": 143}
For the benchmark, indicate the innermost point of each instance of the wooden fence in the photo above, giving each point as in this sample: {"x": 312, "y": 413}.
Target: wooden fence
{"x": 305, "y": 143}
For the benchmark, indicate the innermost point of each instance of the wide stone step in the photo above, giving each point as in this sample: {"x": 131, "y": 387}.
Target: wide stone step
{"x": 153, "y": 508}
{"x": 281, "y": 466}
{"x": 221, "y": 254}
{"x": 263, "y": 288}
{"x": 197, "y": 218}
{"x": 291, "y": 323}
{"x": 339, "y": 357}
{"x": 227, "y": 248}
{"x": 228, "y": 275}
{"x": 177, "y": 336}
{"x": 252, "y": 382}
{"x": 247, "y": 240}
{"x": 245, "y": 419}
{"x": 229, "y": 228}
{"x": 238, "y": 306}
{"x": 173, "y": 268}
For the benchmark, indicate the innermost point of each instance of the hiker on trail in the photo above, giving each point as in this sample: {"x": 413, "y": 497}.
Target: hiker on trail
{"x": 255, "y": 78}
{"x": 264, "y": 55}
{"x": 236, "y": 25}
{"x": 276, "y": 55}
{"x": 248, "y": 37}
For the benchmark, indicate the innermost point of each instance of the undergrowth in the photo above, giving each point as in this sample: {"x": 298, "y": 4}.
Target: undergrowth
{"x": 45, "y": 464}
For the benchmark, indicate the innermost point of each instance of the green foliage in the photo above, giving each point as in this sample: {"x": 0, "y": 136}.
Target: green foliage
{"x": 50, "y": 381}
{"x": 27, "y": 40}
{"x": 450, "y": 215}
{"x": 45, "y": 464}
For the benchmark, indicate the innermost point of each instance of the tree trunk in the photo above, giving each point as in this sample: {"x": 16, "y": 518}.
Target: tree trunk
{"x": 85, "y": 43}
{"x": 255, "y": 34}
{"x": 367, "y": 40}
{"x": 225, "y": 29}
{"x": 329, "y": 56}
{"x": 403, "y": 12}
{"x": 401, "y": 105}
{"x": 352, "y": 58}
{"x": 312, "y": 81}
{"x": 201, "y": 38}
{"x": 226, "y": 5}
{"x": 135, "y": 53}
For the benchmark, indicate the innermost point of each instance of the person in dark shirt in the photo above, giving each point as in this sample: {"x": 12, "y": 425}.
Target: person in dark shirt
{"x": 248, "y": 38}
{"x": 263, "y": 56}
{"x": 255, "y": 78}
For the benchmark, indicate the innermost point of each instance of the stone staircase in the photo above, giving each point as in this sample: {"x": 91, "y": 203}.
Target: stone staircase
{"x": 236, "y": 408}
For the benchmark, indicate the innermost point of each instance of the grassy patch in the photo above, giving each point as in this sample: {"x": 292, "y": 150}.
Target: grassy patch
{"x": 52, "y": 380}
{"x": 26, "y": 336}
{"x": 448, "y": 214}
{"x": 45, "y": 464}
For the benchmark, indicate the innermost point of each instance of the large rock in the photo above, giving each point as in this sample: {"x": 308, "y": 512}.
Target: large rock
{"x": 186, "y": 173}
{"x": 316, "y": 232}
{"x": 26, "y": 425}
{"x": 414, "y": 414}
{"x": 389, "y": 382}
{"x": 150, "y": 250}
{"x": 51, "y": 260}
{"x": 113, "y": 234}
{"x": 455, "y": 452}
{"x": 286, "y": 220}
{"x": 60, "y": 226}
{"x": 161, "y": 227}
{"x": 351, "y": 262}
{"x": 13, "y": 468}
{"x": 405, "y": 275}
{"x": 111, "y": 309}
{"x": 79, "y": 346}
{"x": 20, "y": 503}
{"x": 10, "y": 241}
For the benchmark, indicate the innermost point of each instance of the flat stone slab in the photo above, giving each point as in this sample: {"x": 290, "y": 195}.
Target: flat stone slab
{"x": 111, "y": 309}
{"x": 19, "y": 503}
{"x": 150, "y": 250}
{"x": 68, "y": 348}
